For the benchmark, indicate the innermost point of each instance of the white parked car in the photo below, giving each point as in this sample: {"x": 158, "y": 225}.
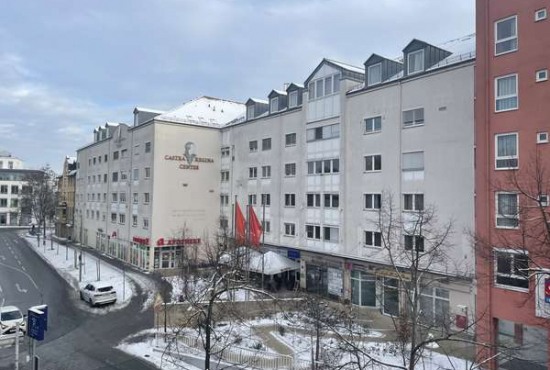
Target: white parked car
{"x": 10, "y": 316}
{"x": 98, "y": 293}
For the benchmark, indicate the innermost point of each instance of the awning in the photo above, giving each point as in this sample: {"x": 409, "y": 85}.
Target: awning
{"x": 273, "y": 262}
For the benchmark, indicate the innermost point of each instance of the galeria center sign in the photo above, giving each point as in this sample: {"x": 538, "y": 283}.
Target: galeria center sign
{"x": 189, "y": 157}
{"x": 543, "y": 294}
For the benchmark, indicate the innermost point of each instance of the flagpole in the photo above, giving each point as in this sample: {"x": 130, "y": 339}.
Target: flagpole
{"x": 248, "y": 249}
{"x": 263, "y": 239}
{"x": 234, "y": 228}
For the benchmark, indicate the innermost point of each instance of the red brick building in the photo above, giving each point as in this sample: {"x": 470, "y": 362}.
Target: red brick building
{"x": 512, "y": 115}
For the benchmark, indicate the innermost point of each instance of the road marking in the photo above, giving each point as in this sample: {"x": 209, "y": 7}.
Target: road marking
{"x": 3, "y": 258}
{"x": 19, "y": 288}
{"x": 0, "y": 288}
{"x": 23, "y": 267}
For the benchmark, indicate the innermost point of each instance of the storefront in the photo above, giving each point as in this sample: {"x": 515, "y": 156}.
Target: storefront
{"x": 363, "y": 289}
{"x": 326, "y": 281}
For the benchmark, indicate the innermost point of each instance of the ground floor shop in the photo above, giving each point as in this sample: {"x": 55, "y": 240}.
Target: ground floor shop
{"x": 14, "y": 219}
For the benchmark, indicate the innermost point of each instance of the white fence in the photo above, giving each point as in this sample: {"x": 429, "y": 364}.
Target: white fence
{"x": 250, "y": 358}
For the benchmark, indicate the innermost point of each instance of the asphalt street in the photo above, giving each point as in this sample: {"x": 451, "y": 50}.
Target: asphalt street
{"x": 76, "y": 339}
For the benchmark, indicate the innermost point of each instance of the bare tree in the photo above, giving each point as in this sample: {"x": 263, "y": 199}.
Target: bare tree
{"x": 40, "y": 196}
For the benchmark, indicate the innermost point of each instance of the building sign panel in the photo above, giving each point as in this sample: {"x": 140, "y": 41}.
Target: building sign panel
{"x": 335, "y": 282}
{"x": 543, "y": 295}
{"x": 172, "y": 241}
{"x": 189, "y": 157}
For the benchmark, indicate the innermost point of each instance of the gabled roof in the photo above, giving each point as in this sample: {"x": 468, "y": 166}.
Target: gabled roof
{"x": 294, "y": 86}
{"x": 204, "y": 111}
{"x": 254, "y": 100}
{"x": 276, "y": 92}
{"x": 347, "y": 70}
{"x": 416, "y": 44}
{"x": 141, "y": 109}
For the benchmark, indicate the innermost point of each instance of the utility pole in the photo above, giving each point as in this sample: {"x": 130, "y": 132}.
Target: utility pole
{"x": 17, "y": 346}
{"x": 80, "y": 255}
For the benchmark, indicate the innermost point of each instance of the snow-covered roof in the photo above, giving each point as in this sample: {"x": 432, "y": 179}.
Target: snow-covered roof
{"x": 71, "y": 160}
{"x": 205, "y": 111}
{"x": 273, "y": 263}
{"x": 280, "y": 92}
{"x": 141, "y": 109}
{"x": 256, "y": 100}
{"x": 349, "y": 67}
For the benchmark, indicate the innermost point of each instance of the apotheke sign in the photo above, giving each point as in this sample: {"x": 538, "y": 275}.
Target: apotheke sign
{"x": 190, "y": 157}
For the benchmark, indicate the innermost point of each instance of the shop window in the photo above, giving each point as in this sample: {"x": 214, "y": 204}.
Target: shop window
{"x": 363, "y": 289}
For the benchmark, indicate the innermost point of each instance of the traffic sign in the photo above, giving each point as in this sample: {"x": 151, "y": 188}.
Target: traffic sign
{"x": 44, "y": 308}
{"x": 36, "y": 323}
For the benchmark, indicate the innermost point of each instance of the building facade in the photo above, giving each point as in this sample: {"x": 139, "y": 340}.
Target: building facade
{"x": 66, "y": 185}
{"x": 12, "y": 184}
{"x": 512, "y": 156}
{"x": 314, "y": 160}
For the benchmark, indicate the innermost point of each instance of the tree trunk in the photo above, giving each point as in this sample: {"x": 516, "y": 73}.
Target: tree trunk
{"x": 44, "y": 239}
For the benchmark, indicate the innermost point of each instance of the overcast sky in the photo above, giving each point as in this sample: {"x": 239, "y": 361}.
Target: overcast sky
{"x": 67, "y": 66}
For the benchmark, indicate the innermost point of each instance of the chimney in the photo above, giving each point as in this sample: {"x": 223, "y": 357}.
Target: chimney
{"x": 285, "y": 86}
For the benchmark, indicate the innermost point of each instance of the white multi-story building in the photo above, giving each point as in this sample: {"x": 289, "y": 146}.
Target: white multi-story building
{"x": 318, "y": 157}
{"x": 12, "y": 183}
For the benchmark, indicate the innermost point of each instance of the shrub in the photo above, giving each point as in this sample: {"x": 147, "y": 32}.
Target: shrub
{"x": 282, "y": 330}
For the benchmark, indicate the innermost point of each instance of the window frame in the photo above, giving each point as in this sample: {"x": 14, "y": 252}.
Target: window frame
{"x": 253, "y": 148}
{"x": 511, "y": 252}
{"x": 374, "y": 131}
{"x": 316, "y": 232}
{"x": 414, "y": 202}
{"x": 293, "y": 93}
{"x": 415, "y": 121}
{"x": 540, "y": 140}
{"x": 378, "y": 65}
{"x": 291, "y": 197}
{"x": 497, "y": 41}
{"x": 373, "y": 239}
{"x": 290, "y": 134}
{"x": 497, "y": 98}
{"x": 372, "y": 196}
{"x": 266, "y": 140}
{"x": 272, "y": 102}
{"x": 539, "y": 18}
{"x": 316, "y": 200}
{"x": 497, "y": 214}
{"x": 419, "y": 51}
{"x": 537, "y": 76}
{"x": 516, "y": 157}
{"x": 266, "y": 172}
{"x": 295, "y": 169}
{"x": 291, "y": 226}
{"x": 373, "y": 162}
{"x": 252, "y": 171}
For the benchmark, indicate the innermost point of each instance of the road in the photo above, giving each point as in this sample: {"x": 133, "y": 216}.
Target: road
{"x": 75, "y": 339}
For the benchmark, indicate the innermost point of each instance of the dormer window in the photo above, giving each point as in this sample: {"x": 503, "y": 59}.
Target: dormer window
{"x": 274, "y": 105}
{"x": 415, "y": 62}
{"x": 374, "y": 74}
{"x": 250, "y": 112}
{"x": 293, "y": 99}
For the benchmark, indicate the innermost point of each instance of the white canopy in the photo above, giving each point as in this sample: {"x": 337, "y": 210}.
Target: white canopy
{"x": 274, "y": 263}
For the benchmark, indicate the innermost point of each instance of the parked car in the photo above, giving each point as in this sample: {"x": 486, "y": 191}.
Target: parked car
{"x": 10, "y": 316}
{"x": 98, "y": 293}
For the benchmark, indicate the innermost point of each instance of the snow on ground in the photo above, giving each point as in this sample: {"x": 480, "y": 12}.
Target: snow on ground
{"x": 62, "y": 258}
{"x": 196, "y": 289}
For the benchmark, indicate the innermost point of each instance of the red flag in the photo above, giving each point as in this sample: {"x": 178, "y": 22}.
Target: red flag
{"x": 255, "y": 227}
{"x": 240, "y": 225}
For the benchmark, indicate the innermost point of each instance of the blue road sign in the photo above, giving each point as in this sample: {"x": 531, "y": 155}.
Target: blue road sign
{"x": 44, "y": 308}
{"x": 293, "y": 253}
{"x": 35, "y": 324}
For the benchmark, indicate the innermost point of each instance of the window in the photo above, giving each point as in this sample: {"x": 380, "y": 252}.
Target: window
{"x": 134, "y": 220}
{"x": 274, "y": 105}
{"x": 511, "y": 269}
{"x": 373, "y": 163}
{"x": 122, "y": 218}
{"x": 413, "y": 161}
{"x": 311, "y": 91}
{"x": 136, "y": 174}
{"x": 226, "y": 151}
{"x": 3, "y": 202}
{"x": 293, "y": 99}
{"x": 14, "y": 203}
{"x": 313, "y": 200}
{"x": 253, "y": 145}
{"x": 415, "y": 62}
{"x": 15, "y": 189}
{"x": 413, "y": 202}
{"x": 372, "y": 239}
{"x": 506, "y": 35}
{"x": 105, "y": 178}
{"x": 319, "y": 88}
{"x": 147, "y": 172}
{"x": 136, "y": 149}
{"x": 148, "y": 147}
{"x": 414, "y": 241}
{"x": 123, "y": 176}
{"x": 104, "y": 197}
{"x": 106, "y": 158}
{"x": 4, "y": 189}
{"x": 363, "y": 289}
{"x": 328, "y": 85}
{"x": 115, "y": 177}
{"x": 252, "y": 172}
{"x": 250, "y": 112}
{"x": 99, "y": 159}
{"x": 252, "y": 199}
{"x": 507, "y": 210}
{"x": 374, "y": 74}
{"x": 266, "y": 200}
{"x": 113, "y": 217}
{"x": 225, "y": 176}
{"x": 506, "y": 156}
{"x": 114, "y": 197}
{"x": 542, "y": 75}
{"x": 373, "y": 201}
{"x": 146, "y": 198}
{"x": 145, "y": 223}
{"x": 224, "y": 199}
{"x": 124, "y": 153}
{"x": 290, "y": 229}
{"x": 290, "y": 139}
{"x": 506, "y": 93}
{"x": 266, "y": 172}
{"x": 313, "y": 232}
{"x": 266, "y": 144}
{"x": 543, "y": 200}
{"x": 323, "y": 166}
{"x": 94, "y": 161}
{"x": 373, "y": 124}
{"x": 266, "y": 226}
{"x": 332, "y": 200}
{"x": 542, "y": 137}
{"x": 331, "y": 234}
{"x": 540, "y": 15}
{"x": 290, "y": 169}
{"x": 135, "y": 198}
{"x": 413, "y": 117}
{"x": 323, "y": 133}
{"x": 434, "y": 305}
{"x": 122, "y": 197}
{"x": 224, "y": 222}
{"x": 290, "y": 200}
{"x": 115, "y": 155}
{"x": 336, "y": 82}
